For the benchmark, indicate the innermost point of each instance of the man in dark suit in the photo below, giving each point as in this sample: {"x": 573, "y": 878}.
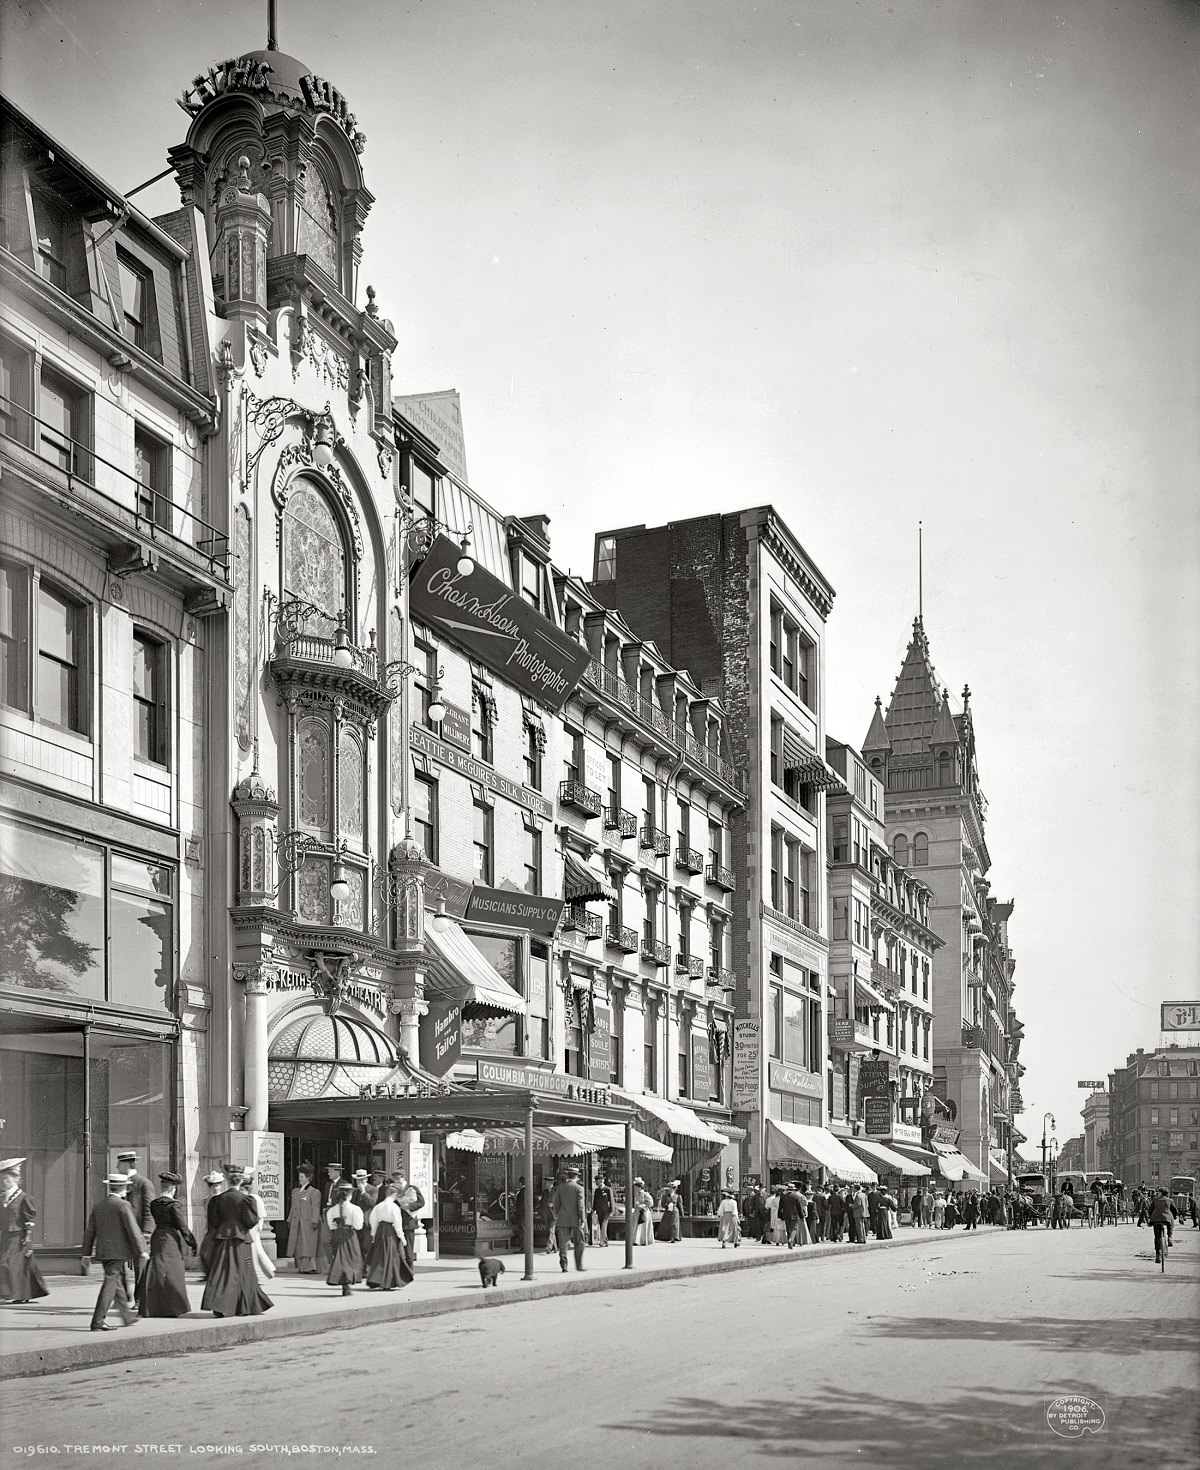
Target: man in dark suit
{"x": 138, "y": 1197}
{"x": 113, "y": 1236}
{"x": 873, "y": 1198}
{"x": 793, "y": 1207}
{"x": 570, "y": 1216}
{"x": 333, "y": 1177}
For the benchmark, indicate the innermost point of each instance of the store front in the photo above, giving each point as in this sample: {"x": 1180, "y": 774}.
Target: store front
{"x": 802, "y": 1151}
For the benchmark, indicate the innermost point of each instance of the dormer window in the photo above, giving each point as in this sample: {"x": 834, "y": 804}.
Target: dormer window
{"x": 606, "y": 559}
{"x": 137, "y": 300}
{"x": 50, "y": 226}
{"x": 531, "y": 580}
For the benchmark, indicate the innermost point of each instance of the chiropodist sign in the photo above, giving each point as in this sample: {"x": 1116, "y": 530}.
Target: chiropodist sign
{"x": 508, "y": 635}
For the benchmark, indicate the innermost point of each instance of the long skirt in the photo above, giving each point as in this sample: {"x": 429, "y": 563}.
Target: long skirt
{"x": 884, "y": 1225}
{"x": 347, "y": 1267}
{"x": 386, "y": 1265}
{"x": 231, "y": 1289}
{"x": 162, "y": 1291}
{"x": 668, "y": 1227}
{"x": 264, "y": 1266}
{"x": 20, "y": 1277}
{"x": 644, "y": 1234}
{"x": 324, "y": 1246}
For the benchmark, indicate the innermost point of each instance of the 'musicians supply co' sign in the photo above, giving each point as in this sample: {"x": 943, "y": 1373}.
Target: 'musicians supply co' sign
{"x": 504, "y": 632}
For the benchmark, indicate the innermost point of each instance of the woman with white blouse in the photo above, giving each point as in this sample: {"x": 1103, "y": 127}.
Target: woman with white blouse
{"x": 387, "y": 1267}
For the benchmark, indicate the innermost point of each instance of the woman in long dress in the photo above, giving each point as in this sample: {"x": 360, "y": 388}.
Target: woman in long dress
{"x": 232, "y": 1289}
{"x": 387, "y": 1267}
{"x": 345, "y": 1221}
{"x": 887, "y": 1204}
{"x": 643, "y": 1203}
{"x": 304, "y": 1222}
{"x": 20, "y": 1277}
{"x": 264, "y": 1266}
{"x": 163, "y": 1288}
{"x": 669, "y": 1228}
{"x": 775, "y": 1228}
{"x": 216, "y": 1186}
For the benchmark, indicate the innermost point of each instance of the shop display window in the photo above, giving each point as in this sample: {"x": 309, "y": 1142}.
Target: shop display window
{"x": 42, "y": 1099}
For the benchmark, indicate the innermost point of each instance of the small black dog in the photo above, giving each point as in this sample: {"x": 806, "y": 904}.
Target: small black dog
{"x": 490, "y": 1271}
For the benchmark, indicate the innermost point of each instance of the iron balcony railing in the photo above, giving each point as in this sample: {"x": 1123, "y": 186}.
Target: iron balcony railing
{"x": 577, "y": 918}
{"x": 719, "y": 979}
{"x": 582, "y": 798}
{"x": 625, "y": 940}
{"x": 720, "y": 877}
{"x": 885, "y": 977}
{"x": 695, "y": 967}
{"x": 648, "y": 710}
{"x": 616, "y": 819}
{"x": 656, "y": 950}
{"x": 138, "y": 506}
{"x": 689, "y": 859}
{"x": 653, "y": 839}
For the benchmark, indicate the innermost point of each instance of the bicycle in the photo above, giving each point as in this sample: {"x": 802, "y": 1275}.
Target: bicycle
{"x": 1162, "y": 1244}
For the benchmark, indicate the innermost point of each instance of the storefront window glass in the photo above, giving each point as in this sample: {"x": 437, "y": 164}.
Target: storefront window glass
{"x": 42, "y": 1102}
{"x": 496, "y": 1033}
{"x": 51, "y": 913}
{"x": 141, "y": 940}
{"x": 794, "y": 1007}
{"x": 131, "y": 1098}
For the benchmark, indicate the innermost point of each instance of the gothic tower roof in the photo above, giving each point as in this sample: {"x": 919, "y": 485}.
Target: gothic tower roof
{"x": 916, "y": 701}
{"x": 945, "y": 728}
{"x": 877, "y": 735}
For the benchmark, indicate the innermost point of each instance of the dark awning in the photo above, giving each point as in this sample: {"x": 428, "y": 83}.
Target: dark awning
{"x": 582, "y": 885}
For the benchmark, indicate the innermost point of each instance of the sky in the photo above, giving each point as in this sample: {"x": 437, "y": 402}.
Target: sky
{"x": 875, "y": 264}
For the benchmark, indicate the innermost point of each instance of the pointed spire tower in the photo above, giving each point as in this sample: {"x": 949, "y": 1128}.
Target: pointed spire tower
{"x": 877, "y": 747}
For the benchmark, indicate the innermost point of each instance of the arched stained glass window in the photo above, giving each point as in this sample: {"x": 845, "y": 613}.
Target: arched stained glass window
{"x": 314, "y": 558}
{"x": 350, "y": 783}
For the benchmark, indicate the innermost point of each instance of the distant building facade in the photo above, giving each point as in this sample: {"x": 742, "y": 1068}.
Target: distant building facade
{"x": 1154, "y": 1116}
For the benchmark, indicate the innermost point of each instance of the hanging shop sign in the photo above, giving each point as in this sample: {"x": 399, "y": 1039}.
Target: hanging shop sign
{"x": 841, "y": 1029}
{"x": 1093, "y": 1086}
{"x": 441, "y": 1037}
{"x": 529, "y": 1078}
{"x": 906, "y": 1133}
{"x": 878, "y": 1116}
{"x": 701, "y": 1067}
{"x": 480, "y": 613}
{"x": 874, "y": 1074}
{"x": 511, "y": 910}
{"x": 456, "y": 725}
{"x": 747, "y": 1064}
{"x": 782, "y": 1078}
{"x": 466, "y": 765}
{"x": 599, "y": 1045}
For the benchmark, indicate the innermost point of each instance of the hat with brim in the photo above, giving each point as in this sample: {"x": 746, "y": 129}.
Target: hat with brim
{"x": 117, "y": 1181}
{"x": 360, "y": 1174}
{"x": 345, "y": 1188}
{"x": 7, "y": 1165}
{"x": 233, "y": 1171}
{"x": 639, "y": 1181}
{"x": 169, "y": 1178}
{"x": 214, "y": 1178}
{"x": 127, "y": 1158}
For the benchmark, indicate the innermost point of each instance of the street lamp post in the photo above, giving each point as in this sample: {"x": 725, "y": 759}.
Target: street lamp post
{"x": 1053, "y": 1124}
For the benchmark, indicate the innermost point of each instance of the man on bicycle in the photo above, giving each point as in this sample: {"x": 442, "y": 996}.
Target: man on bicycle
{"x": 1162, "y": 1215}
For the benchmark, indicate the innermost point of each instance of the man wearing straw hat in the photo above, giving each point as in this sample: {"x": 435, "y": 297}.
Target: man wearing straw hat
{"x": 112, "y": 1234}
{"x": 570, "y": 1215}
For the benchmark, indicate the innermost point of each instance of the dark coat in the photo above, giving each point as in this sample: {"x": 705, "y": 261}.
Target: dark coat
{"x": 112, "y": 1232}
{"x": 138, "y": 1196}
{"x": 792, "y": 1206}
{"x": 231, "y": 1215}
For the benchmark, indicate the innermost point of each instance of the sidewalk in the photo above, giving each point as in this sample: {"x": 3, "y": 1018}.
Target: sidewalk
{"x": 52, "y": 1336}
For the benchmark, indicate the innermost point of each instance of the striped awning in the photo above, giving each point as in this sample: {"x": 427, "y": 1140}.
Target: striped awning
{"x": 582, "y": 884}
{"x": 546, "y": 1141}
{"x": 812, "y": 1145}
{"x": 612, "y": 1136}
{"x": 885, "y": 1158}
{"x": 806, "y": 764}
{"x": 456, "y": 970}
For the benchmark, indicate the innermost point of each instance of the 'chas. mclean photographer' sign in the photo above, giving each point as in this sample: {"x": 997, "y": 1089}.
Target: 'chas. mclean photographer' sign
{"x": 503, "y": 631}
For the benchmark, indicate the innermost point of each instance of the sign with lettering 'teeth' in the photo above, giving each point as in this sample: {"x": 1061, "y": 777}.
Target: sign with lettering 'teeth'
{"x": 480, "y": 613}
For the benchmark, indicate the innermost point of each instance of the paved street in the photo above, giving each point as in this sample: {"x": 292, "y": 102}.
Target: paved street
{"x": 941, "y": 1354}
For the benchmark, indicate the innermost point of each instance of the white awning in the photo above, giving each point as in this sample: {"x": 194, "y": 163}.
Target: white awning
{"x": 817, "y": 1146}
{"x": 612, "y": 1135}
{"x": 552, "y": 1141}
{"x": 678, "y": 1119}
{"x": 456, "y": 970}
{"x": 955, "y": 1165}
{"x": 878, "y": 1153}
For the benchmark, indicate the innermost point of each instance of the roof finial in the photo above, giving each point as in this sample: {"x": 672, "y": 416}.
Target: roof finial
{"x": 878, "y": 702}
{"x": 966, "y": 698}
{"x": 272, "y": 26}
{"x": 920, "y": 573}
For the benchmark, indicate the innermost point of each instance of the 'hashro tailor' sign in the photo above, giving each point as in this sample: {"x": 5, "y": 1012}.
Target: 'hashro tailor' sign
{"x": 503, "y": 631}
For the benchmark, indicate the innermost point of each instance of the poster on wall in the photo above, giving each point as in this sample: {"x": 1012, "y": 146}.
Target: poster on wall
{"x": 262, "y": 1152}
{"x": 746, "y": 1064}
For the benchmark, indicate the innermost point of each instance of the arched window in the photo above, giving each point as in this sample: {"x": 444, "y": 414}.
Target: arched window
{"x": 314, "y": 559}
{"x": 944, "y": 774}
{"x": 900, "y": 849}
{"x": 920, "y": 850}
{"x": 350, "y": 788}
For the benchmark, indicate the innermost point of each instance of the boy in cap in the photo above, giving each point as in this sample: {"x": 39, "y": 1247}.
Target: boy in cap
{"x": 113, "y": 1235}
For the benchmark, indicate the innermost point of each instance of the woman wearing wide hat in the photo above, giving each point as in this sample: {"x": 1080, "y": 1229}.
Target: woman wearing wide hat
{"x": 304, "y": 1222}
{"x": 345, "y": 1222}
{"x": 387, "y": 1267}
{"x": 163, "y": 1288}
{"x": 20, "y": 1278}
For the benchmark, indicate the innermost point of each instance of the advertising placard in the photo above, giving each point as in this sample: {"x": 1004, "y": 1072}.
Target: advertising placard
{"x": 420, "y": 1173}
{"x": 262, "y": 1152}
{"x": 1092, "y": 1086}
{"x": 874, "y": 1074}
{"x": 456, "y": 726}
{"x": 441, "y": 1037}
{"x": 600, "y": 1045}
{"x": 841, "y": 1029}
{"x": 503, "y": 631}
{"x": 1181, "y": 1015}
{"x": 783, "y": 1078}
{"x": 746, "y": 1064}
{"x": 701, "y": 1068}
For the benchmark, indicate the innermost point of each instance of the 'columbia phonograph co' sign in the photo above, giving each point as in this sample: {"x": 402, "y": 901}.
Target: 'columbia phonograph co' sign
{"x": 503, "y": 631}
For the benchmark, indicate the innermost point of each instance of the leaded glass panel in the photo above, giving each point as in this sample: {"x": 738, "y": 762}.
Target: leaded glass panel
{"x": 314, "y": 558}
{"x": 312, "y": 764}
{"x": 351, "y": 793}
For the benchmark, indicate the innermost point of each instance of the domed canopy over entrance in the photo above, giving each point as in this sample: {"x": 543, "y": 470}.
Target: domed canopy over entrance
{"x": 316, "y": 1055}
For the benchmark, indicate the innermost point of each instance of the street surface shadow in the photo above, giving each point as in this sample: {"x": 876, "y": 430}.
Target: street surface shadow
{"x": 1120, "y": 1335}
{"x": 998, "y": 1429}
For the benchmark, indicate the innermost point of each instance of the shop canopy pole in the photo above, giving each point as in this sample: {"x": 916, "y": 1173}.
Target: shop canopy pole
{"x": 628, "y": 1194}
{"x": 529, "y": 1191}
